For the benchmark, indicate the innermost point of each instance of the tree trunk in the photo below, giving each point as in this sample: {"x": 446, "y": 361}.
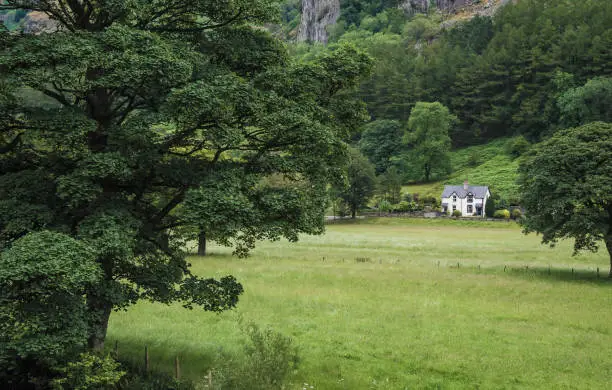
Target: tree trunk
{"x": 353, "y": 211}
{"x": 99, "y": 309}
{"x": 609, "y": 247}
{"x": 202, "y": 243}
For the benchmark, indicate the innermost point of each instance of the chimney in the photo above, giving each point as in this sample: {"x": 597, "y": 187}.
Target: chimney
{"x": 465, "y": 185}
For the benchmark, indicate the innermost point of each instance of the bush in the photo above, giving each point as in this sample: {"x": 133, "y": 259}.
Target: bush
{"x": 430, "y": 200}
{"x": 516, "y": 214}
{"x": 269, "y": 359}
{"x": 456, "y": 213}
{"x": 88, "y": 373}
{"x": 502, "y": 214}
{"x": 403, "y": 207}
{"x": 384, "y": 206}
{"x": 473, "y": 159}
{"x": 407, "y": 197}
{"x": 517, "y": 147}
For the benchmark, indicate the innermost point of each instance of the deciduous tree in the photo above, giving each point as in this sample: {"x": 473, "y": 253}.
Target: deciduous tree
{"x": 566, "y": 186}
{"x": 145, "y": 105}
{"x": 380, "y": 141}
{"x": 429, "y": 125}
{"x": 360, "y": 182}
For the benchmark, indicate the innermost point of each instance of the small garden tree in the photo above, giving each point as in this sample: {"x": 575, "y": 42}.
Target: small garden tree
{"x": 566, "y": 187}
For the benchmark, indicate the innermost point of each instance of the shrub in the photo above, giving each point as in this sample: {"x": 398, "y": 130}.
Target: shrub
{"x": 88, "y": 373}
{"x": 402, "y": 207}
{"x": 269, "y": 359}
{"x": 516, "y": 214}
{"x": 407, "y": 197}
{"x": 384, "y": 206}
{"x": 430, "y": 200}
{"x": 517, "y": 147}
{"x": 490, "y": 207}
{"x": 473, "y": 159}
{"x": 137, "y": 378}
{"x": 502, "y": 214}
{"x": 456, "y": 213}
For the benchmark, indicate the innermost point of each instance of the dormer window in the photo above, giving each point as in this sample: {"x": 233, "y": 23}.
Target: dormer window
{"x": 470, "y": 198}
{"x": 454, "y": 198}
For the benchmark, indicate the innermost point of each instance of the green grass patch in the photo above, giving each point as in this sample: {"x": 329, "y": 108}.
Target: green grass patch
{"x": 382, "y": 304}
{"x": 481, "y": 165}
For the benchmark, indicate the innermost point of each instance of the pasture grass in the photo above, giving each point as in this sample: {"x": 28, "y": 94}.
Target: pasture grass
{"x": 381, "y": 304}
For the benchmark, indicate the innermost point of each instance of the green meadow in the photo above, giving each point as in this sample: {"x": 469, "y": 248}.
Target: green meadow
{"x": 400, "y": 304}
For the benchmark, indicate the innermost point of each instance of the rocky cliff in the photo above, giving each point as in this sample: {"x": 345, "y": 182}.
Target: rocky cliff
{"x": 316, "y": 16}
{"x": 38, "y": 22}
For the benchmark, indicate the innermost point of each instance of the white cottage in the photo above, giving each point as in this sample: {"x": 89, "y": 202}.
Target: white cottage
{"x": 470, "y": 200}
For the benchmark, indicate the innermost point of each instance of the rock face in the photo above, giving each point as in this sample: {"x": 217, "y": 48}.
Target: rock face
{"x": 414, "y": 6}
{"x": 38, "y": 22}
{"x": 316, "y": 16}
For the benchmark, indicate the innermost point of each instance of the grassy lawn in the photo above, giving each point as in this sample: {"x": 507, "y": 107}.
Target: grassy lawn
{"x": 381, "y": 304}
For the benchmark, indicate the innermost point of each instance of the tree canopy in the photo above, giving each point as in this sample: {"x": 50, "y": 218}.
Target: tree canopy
{"x": 429, "y": 126}
{"x": 360, "y": 183}
{"x": 566, "y": 186}
{"x": 588, "y": 103}
{"x": 379, "y": 142}
{"x": 136, "y": 111}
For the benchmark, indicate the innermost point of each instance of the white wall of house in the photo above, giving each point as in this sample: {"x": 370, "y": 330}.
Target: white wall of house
{"x": 462, "y": 204}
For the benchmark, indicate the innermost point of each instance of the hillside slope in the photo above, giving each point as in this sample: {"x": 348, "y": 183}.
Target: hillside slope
{"x": 487, "y": 164}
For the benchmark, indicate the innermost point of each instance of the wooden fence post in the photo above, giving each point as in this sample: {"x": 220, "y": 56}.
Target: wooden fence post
{"x": 146, "y": 359}
{"x": 177, "y": 368}
{"x": 597, "y": 272}
{"x": 116, "y": 349}
{"x": 210, "y": 379}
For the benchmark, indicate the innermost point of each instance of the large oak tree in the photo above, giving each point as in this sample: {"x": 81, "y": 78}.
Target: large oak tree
{"x": 131, "y": 108}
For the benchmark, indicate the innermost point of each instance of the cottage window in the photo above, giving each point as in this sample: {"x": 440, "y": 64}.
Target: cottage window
{"x": 454, "y": 198}
{"x": 454, "y": 207}
{"x": 470, "y": 209}
{"x": 470, "y": 198}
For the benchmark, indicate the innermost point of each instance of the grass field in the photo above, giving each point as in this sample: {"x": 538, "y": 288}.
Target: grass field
{"x": 381, "y": 304}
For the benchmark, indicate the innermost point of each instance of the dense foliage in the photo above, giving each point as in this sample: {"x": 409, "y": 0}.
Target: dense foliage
{"x": 123, "y": 128}
{"x": 566, "y": 183}
{"x": 429, "y": 125}
{"x": 360, "y": 183}
{"x": 497, "y": 74}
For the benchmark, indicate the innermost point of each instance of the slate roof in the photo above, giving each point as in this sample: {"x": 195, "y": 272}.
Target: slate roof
{"x": 478, "y": 191}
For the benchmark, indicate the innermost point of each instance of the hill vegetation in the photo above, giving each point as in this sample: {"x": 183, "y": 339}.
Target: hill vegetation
{"x": 488, "y": 164}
